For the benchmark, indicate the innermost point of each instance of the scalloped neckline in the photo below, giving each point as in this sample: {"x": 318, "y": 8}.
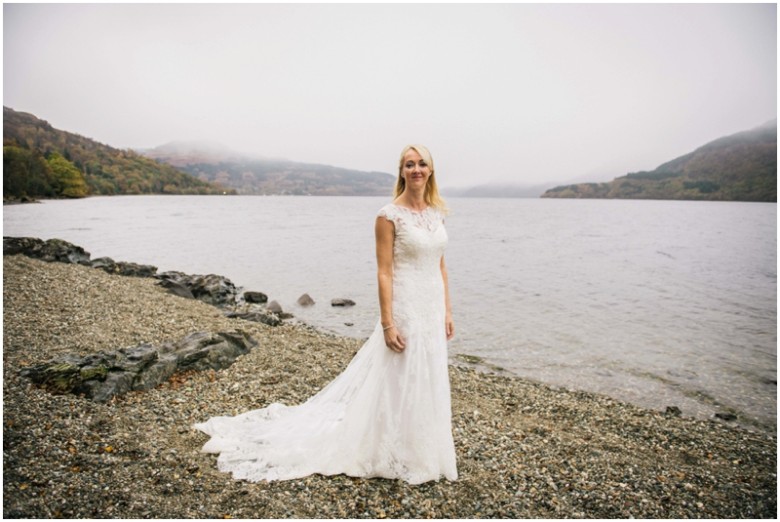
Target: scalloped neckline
{"x": 410, "y": 209}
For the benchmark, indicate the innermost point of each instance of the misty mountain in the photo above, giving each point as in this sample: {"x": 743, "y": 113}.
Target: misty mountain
{"x": 215, "y": 163}
{"x": 739, "y": 167}
{"x": 183, "y": 153}
{"x": 41, "y": 161}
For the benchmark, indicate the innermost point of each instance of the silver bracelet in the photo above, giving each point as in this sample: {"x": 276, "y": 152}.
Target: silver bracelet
{"x": 387, "y": 327}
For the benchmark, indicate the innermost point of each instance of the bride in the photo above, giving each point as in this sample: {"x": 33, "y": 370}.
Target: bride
{"x": 388, "y": 414}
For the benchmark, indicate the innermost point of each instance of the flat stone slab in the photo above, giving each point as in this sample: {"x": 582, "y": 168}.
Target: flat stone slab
{"x": 104, "y": 375}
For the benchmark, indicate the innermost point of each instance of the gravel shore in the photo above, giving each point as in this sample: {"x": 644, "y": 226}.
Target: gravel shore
{"x": 524, "y": 450}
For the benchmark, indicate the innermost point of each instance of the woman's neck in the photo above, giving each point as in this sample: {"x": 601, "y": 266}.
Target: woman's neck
{"x": 413, "y": 199}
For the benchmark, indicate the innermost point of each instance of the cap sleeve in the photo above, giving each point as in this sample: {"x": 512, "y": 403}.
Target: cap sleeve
{"x": 390, "y": 213}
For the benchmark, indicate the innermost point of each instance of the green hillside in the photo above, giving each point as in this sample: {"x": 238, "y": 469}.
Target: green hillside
{"x": 41, "y": 161}
{"x": 740, "y": 167}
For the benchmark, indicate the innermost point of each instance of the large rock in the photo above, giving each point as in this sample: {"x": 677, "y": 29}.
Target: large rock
{"x": 176, "y": 288}
{"x": 212, "y": 289}
{"x": 208, "y": 351}
{"x": 57, "y": 250}
{"x": 135, "y": 270}
{"x": 52, "y": 250}
{"x": 104, "y": 375}
{"x": 104, "y": 263}
{"x": 123, "y": 268}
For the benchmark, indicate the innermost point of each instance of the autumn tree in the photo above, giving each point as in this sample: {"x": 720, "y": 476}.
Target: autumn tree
{"x": 70, "y": 181}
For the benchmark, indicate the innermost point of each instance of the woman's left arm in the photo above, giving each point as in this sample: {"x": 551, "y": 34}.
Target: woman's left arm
{"x": 449, "y": 326}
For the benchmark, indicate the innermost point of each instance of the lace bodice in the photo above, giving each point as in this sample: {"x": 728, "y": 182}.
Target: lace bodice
{"x": 428, "y": 219}
{"x": 420, "y": 238}
{"x": 418, "y": 288}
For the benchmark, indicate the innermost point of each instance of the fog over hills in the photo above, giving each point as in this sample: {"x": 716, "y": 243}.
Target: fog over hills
{"x": 188, "y": 152}
{"x": 214, "y": 162}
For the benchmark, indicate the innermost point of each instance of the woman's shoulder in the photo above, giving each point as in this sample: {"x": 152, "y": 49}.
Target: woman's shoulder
{"x": 388, "y": 210}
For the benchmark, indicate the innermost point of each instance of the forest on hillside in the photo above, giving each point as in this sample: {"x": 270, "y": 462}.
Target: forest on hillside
{"x": 739, "y": 167}
{"x": 41, "y": 161}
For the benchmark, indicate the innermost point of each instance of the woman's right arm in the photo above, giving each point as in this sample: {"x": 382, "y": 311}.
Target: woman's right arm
{"x": 385, "y": 235}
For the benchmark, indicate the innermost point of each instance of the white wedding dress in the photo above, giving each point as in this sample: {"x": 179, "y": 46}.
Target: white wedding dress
{"x": 388, "y": 414}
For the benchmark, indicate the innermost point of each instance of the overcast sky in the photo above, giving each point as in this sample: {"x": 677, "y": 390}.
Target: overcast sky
{"x": 511, "y": 93}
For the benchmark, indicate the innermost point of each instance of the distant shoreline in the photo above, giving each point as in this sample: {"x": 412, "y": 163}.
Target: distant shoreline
{"x": 15, "y": 201}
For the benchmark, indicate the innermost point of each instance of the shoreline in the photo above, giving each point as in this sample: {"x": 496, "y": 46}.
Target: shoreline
{"x": 524, "y": 449}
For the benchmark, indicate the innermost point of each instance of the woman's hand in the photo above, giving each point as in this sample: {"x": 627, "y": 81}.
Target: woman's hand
{"x": 449, "y": 327}
{"x": 393, "y": 340}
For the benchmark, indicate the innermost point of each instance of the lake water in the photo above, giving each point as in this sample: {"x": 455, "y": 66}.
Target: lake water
{"x": 657, "y": 303}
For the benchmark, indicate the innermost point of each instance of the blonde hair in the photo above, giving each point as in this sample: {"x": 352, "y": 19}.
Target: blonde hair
{"x": 431, "y": 194}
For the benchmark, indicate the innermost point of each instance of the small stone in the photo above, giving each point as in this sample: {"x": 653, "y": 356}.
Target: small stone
{"x": 305, "y": 300}
{"x": 672, "y": 411}
{"x": 255, "y": 297}
{"x": 342, "y": 302}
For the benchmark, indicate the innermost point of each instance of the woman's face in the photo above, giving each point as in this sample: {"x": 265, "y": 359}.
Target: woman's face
{"x": 415, "y": 170}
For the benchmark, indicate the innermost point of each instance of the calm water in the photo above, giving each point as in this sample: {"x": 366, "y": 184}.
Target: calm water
{"x": 655, "y": 302}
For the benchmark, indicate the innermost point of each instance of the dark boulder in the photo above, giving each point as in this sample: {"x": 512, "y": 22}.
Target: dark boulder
{"x": 212, "y": 289}
{"x": 342, "y": 302}
{"x": 255, "y": 297}
{"x": 135, "y": 270}
{"x": 176, "y": 288}
{"x": 104, "y": 263}
{"x": 123, "y": 268}
{"x": 52, "y": 250}
{"x": 672, "y": 411}
{"x": 57, "y": 250}
{"x": 208, "y": 351}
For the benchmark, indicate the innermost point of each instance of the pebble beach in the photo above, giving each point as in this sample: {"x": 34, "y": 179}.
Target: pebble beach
{"x": 524, "y": 449}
